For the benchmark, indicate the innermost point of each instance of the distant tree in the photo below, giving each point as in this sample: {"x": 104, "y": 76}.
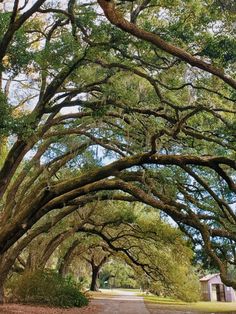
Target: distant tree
{"x": 118, "y": 274}
{"x": 96, "y": 257}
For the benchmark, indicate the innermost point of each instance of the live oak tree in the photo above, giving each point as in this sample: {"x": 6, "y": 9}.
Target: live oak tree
{"x": 148, "y": 88}
{"x": 96, "y": 258}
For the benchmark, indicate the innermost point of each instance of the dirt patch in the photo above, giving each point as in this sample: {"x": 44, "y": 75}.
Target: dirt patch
{"x": 29, "y": 309}
{"x": 126, "y": 303}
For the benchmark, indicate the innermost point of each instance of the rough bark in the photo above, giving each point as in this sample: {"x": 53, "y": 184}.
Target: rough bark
{"x": 67, "y": 258}
{"x": 51, "y": 247}
{"x": 95, "y": 272}
{"x": 5, "y": 266}
{"x": 95, "y": 267}
{"x": 1, "y": 292}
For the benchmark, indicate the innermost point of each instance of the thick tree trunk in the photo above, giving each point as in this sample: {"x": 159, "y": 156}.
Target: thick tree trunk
{"x": 67, "y": 258}
{"x": 95, "y": 272}
{"x": 4, "y": 271}
{"x": 1, "y": 291}
{"x": 5, "y": 267}
{"x": 52, "y": 246}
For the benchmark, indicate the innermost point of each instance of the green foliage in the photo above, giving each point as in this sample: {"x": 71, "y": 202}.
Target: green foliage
{"x": 117, "y": 274}
{"x": 5, "y": 115}
{"x": 23, "y": 126}
{"x": 4, "y": 21}
{"x": 184, "y": 285}
{"x": 47, "y": 287}
{"x": 3, "y": 150}
{"x": 10, "y": 125}
{"x": 18, "y": 54}
{"x": 58, "y": 52}
{"x": 221, "y": 48}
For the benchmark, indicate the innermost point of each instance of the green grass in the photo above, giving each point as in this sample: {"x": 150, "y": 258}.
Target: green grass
{"x": 168, "y": 303}
{"x": 162, "y": 300}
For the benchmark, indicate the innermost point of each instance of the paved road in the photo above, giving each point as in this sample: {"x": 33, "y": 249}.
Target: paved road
{"x": 123, "y": 302}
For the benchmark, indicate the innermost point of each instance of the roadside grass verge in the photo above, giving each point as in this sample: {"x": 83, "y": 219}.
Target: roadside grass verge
{"x": 208, "y": 307}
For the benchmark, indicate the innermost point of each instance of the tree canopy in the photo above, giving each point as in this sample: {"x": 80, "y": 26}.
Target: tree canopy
{"x": 131, "y": 101}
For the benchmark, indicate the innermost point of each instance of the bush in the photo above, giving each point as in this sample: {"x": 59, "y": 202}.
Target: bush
{"x": 186, "y": 288}
{"x": 47, "y": 287}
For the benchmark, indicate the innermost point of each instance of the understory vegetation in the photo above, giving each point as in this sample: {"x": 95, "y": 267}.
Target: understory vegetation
{"x": 48, "y": 288}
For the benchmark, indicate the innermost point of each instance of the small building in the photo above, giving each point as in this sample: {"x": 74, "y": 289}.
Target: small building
{"x": 213, "y": 289}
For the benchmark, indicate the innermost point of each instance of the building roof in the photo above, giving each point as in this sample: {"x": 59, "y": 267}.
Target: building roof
{"x": 208, "y": 277}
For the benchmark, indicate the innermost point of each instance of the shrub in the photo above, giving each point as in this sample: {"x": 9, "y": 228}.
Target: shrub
{"x": 47, "y": 287}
